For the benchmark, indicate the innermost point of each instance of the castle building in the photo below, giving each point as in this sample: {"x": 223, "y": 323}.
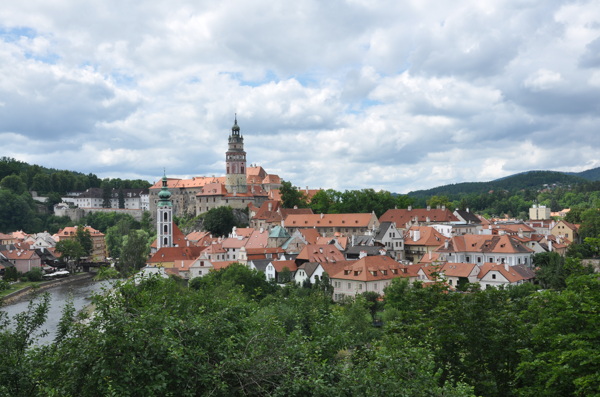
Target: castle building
{"x": 240, "y": 186}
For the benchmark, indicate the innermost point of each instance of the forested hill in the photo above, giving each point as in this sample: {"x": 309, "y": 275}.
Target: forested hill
{"x": 590, "y": 175}
{"x": 532, "y": 180}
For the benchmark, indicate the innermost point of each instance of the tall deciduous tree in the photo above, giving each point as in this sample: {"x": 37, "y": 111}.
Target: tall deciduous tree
{"x": 291, "y": 197}
{"x": 134, "y": 252}
{"x": 219, "y": 221}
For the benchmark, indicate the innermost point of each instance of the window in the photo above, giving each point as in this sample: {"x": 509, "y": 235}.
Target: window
{"x": 349, "y": 286}
{"x": 360, "y": 286}
{"x": 493, "y": 276}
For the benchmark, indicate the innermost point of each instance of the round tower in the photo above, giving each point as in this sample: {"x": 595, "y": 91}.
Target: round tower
{"x": 235, "y": 160}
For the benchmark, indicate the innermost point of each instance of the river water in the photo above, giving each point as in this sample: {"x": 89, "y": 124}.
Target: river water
{"x": 80, "y": 293}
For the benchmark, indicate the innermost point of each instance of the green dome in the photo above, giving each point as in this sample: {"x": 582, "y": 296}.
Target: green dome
{"x": 164, "y": 194}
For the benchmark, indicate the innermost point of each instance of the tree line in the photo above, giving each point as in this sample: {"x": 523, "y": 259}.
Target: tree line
{"x": 232, "y": 333}
{"x": 18, "y": 209}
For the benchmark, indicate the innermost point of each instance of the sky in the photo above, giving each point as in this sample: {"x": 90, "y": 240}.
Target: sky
{"x": 354, "y": 94}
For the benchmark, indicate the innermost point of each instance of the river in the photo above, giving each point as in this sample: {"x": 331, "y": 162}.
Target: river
{"x": 80, "y": 291}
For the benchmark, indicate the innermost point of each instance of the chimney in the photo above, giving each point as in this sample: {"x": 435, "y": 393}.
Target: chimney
{"x": 322, "y": 215}
{"x": 417, "y": 235}
{"x": 506, "y": 266}
{"x": 446, "y": 243}
{"x": 443, "y": 208}
{"x": 428, "y": 208}
{"x": 467, "y": 209}
{"x": 429, "y": 255}
{"x": 549, "y": 245}
{"x": 410, "y": 207}
{"x": 270, "y": 206}
{"x": 362, "y": 254}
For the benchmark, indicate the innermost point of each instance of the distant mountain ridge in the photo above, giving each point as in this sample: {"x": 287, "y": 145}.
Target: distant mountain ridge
{"x": 520, "y": 181}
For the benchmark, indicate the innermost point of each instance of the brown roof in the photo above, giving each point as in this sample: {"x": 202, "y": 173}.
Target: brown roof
{"x": 310, "y": 235}
{"x": 280, "y": 265}
{"x": 372, "y": 268}
{"x": 458, "y": 269}
{"x": 320, "y": 253}
{"x": 328, "y": 220}
{"x": 197, "y": 181}
{"x": 484, "y": 243}
{"x": 428, "y": 236}
{"x": 509, "y": 272}
{"x": 402, "y": 216}
{"x": 172, "y": 254}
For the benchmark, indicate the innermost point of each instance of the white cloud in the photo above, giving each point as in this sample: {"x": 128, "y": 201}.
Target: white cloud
{"x": 343, "y": 94}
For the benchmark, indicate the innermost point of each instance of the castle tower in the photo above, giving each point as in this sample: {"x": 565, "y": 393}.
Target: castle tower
{"x": 164, "y": 217}
{"x": 235, "y": 158}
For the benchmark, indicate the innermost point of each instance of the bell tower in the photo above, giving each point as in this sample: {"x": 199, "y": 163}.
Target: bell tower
{"x": 235, "y": 159}
{"x": 164, "y": 217}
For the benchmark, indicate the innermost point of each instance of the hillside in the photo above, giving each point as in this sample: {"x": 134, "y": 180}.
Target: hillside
{"x": 590, "y": 175}
{"x": 528, "y": 180}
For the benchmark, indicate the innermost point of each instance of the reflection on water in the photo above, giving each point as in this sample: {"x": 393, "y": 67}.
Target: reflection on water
{"x": 80, "y": 291}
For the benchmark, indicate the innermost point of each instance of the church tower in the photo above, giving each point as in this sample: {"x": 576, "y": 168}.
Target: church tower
{"x": 164, "y": 217}
{"x": 235, "y": 158}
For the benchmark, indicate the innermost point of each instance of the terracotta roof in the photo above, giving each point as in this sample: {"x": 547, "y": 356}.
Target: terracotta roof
{"x": 19, "y": 254}
{"x": 484, "y": 244}
{"x": 428, "y": 236}
{"x": 198, "y": 181}
{"x": 512, "y": 228}
{"x": 320, "y": 253}
{"x": 310, "y": 235}
{"x": 372, "y": 268}
{"x": 458, "y": 269}
{"x": 222, "y": 265}
{"x": 172, "y": 254}
{"x": 70, "y": 231}
{"x": 341, "y": 240}
{"x": 212, "y": 189}
{"x": 328, "y": 220}
{"x": 257, "y": 239}
{"x": 402, "y": 216}
{"x": 280, "y": 265}
{"x": 509, "y": 272}
{"x": 332, "y": 268}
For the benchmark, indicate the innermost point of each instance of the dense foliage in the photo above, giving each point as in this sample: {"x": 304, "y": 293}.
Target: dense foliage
{"x": 18, "y": 209}
{"x": 234, "y": 334}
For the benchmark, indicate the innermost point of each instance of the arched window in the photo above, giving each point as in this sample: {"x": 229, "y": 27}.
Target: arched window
{"x": 166, "y": 241}
{"x": 166, "y": 217}
{"x": 166, "y": 229}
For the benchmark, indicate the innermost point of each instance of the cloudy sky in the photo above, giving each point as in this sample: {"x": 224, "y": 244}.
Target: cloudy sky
{"x": 383, "y": 94}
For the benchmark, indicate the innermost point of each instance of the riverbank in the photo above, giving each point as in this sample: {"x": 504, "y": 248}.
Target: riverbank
{"x": 16, "y": 295}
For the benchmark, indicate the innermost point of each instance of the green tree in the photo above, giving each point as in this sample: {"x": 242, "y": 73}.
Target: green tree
{"x": 18, "y": 368}
{"x": 291, "y": 197}
{"x": 134, "y": 253}
{"x": 121, "y": 197}
{"x": 563, "y": 358}
{"x": 553, "y": 269}
{"x": 14, "y": 183}
{"x": 84, "y": 238}
{"x": 71, "y": 252}
{"x": 219, "y": 221}
{"x": 106, "y": 193}
{"x": 252, "y": 282}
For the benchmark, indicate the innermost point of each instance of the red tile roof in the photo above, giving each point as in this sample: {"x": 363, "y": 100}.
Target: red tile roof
{"x": 372, "y": 268}
{"x": 402, "y": 216}
{"x": 320, "y": 254}
{"x": 329, "y": 220}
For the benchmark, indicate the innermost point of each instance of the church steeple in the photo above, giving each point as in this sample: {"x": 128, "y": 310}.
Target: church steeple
{"x": 164, "y": 216}
{"x": 235, "y": 160}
